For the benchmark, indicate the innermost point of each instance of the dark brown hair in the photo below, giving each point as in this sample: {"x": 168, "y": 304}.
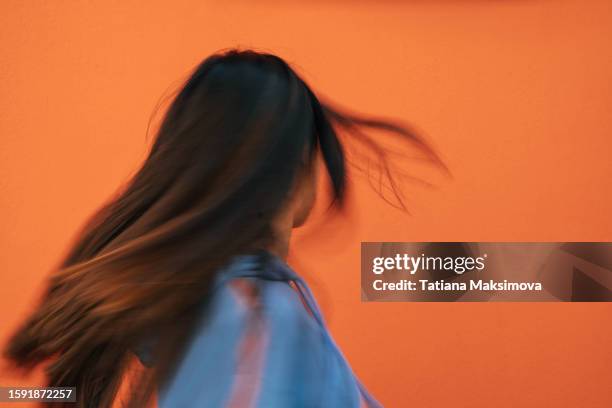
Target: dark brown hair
{"x": 220, "y": 169}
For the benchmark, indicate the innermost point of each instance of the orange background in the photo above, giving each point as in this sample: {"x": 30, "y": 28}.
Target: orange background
{"x": 515, "y": 94}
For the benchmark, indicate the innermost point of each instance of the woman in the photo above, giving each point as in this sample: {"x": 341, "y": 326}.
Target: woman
{"x": 185, "y": 268}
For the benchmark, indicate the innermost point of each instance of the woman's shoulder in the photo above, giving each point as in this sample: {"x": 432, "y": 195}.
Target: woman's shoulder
{"x": 250, "y": 333}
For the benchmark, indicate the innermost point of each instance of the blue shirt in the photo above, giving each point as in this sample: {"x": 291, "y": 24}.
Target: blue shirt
{"x": 263, "y": 345}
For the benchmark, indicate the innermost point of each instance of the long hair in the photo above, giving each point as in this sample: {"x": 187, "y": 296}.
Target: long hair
{"x": 221, "y": 167}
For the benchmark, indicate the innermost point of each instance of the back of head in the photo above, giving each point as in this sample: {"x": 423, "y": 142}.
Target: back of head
{"x": 232, "y": 144}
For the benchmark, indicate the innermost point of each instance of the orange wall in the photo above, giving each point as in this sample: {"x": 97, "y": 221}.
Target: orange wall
{"x": 515, "y": 94}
